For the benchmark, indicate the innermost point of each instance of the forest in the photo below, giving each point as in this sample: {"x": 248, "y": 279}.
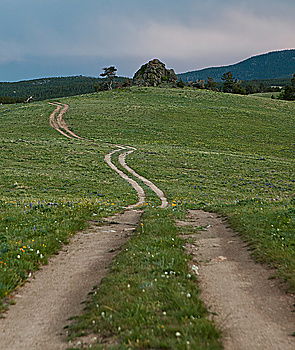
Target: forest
{"x": 46, "y": 88}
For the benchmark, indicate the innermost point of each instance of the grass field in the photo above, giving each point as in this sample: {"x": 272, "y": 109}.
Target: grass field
{"x": 49, "y": 188}
{"x": 267, "y": 94}
{"x": 227, "y": 153}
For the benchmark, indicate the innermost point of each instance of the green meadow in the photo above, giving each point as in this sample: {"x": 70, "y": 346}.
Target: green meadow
{"x": 267, "y": 94}
{"x": 50, "y": 187}
{"x": 220, "y": 152}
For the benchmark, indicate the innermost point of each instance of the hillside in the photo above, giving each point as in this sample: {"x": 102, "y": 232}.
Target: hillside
{"x": 223, "y": 153}
{"x": 272, "y": 65}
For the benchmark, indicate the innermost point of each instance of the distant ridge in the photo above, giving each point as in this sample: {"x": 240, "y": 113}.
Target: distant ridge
{"x": 271, "y": 65}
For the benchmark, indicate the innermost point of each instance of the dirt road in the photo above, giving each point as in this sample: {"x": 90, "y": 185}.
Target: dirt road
{"x": 54, "y": 294}
{"x": 44, "y": 305}
{"x": 250, "y": 308}
{"x": 58, "y": 123}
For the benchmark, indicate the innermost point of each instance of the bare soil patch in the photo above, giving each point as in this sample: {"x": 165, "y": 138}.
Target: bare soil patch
{"x": 44, "y": 305}
{"x": 249, "y": 306}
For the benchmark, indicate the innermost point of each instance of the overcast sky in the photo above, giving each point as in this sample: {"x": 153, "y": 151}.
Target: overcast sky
{"x": 40, "y": 38}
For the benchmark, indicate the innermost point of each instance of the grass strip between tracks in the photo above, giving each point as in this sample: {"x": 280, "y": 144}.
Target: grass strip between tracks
{"x": 150, "y": 298}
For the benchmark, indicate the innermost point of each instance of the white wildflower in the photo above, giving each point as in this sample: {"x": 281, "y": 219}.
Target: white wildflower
{"x": 195, "y": 269}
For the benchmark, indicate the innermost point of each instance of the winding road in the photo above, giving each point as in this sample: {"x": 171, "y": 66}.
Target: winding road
{"x": 58, "y": 123}
{"x": 56, "y": 291}
{"x": 249, "y": 306}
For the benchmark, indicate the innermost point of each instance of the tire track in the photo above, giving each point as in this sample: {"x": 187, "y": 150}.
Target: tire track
{"x": 248, "y": 305}
{"x": 58, "y": 123}
{"x": 133, "y": 183}
{"x": 53, "y": 122}
{"x": 55, "y": 293}
{"x": 151, "y": 185}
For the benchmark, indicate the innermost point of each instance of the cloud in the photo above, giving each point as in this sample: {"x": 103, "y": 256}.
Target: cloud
{"x": 237, "y": 32}
{"x": 118, "y": 36}
{"x": 187, "y": 35}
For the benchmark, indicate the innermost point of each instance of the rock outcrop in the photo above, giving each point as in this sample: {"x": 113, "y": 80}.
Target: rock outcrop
{"x": 154, "y": 73}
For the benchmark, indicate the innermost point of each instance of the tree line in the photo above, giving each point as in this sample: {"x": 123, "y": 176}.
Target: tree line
{"x": 232, "y": 85}
{"x": 47, "y": 88}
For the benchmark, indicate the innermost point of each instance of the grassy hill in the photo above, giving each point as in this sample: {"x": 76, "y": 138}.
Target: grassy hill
{"x": 272, "y": 65}
{"x": 227, "y": 153}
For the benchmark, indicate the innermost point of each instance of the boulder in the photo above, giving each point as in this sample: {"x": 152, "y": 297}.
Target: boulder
{"x": 154, "y": 73}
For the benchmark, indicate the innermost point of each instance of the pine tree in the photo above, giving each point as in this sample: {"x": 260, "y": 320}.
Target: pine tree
{"x": 211, "y": 84}
{"x": 229, "y": 82}
{"x": 289, "y": 91}
{"x": 232, "y": 85}
{"x": 110, "y": 74}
